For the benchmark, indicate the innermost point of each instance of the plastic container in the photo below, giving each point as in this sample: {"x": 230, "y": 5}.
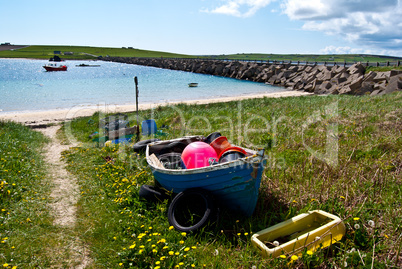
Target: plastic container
{"x": 231, "y": 155}
{"x": 211, "y": 137}
{"x": 238, "y": 149}
{"x": 148, "y": 127}
{"x": 172, "y": 160}
{"x": 313, "y": 230}
{"x": 198, "y": 154}
{"x": 220, "y": 144}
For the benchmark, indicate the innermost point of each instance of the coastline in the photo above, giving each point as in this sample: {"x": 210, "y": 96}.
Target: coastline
{"x": 37, "y": 118}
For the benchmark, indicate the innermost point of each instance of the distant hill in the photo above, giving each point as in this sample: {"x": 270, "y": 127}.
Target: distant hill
{"x": 85, "y": 52}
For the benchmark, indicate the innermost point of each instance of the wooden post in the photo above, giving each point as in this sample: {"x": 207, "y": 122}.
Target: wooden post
{"x": 136, "y": 105}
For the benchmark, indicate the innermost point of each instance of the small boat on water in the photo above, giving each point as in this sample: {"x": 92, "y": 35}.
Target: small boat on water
{"x": 88, "y": 65}
{"x": 193, "y": 84}
{"x": 234, "y": 183}
{"x": 53, "y": 66}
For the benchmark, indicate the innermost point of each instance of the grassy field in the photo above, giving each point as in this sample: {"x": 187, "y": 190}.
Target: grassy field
{"x": 341, "y": 154}
{"x": 82, "y": 52}
{"x": 339, "y": 58}
{"x": 26, "y": 231}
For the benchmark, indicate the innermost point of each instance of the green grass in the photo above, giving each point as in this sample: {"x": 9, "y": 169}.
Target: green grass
{"x": 85, "y": 52}
{"x": 383, "y": 68}
{"x": 360, "y": 182}
{"x": 82, "y": 52}
{"x": 339, "y": 58}
{"x": 25, "y": 223}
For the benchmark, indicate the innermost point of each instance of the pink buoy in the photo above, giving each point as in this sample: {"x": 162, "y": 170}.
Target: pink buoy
{"x": 198, "y": 154}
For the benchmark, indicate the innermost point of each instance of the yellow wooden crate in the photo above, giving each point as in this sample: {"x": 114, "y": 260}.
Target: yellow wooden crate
{"x": 313, "y": 230}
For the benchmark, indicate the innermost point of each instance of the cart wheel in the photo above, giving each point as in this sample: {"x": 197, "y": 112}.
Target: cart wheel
{"x": 190, "y": 210}
{"x": 152, "y": 194}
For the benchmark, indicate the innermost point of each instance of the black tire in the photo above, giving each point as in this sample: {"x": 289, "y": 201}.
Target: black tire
{"x": 211, "y": 137}
{"x": 142, "y": 145}
{"x": 152, "y": 194}
{"x": 191, "y": 210}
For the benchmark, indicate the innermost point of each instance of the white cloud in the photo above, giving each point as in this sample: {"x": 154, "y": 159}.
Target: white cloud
{"x": 373, "y": 23}
{"x": 240, "y": 8}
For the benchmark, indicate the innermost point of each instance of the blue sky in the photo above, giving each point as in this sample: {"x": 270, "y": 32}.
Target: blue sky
{"x": 209, "y": 26}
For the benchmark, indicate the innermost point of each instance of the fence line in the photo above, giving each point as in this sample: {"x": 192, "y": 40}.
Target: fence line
{"x": 311, "y": 63}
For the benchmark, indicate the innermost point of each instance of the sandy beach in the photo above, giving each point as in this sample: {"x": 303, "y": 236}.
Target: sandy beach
{"x": 35, "y": 118}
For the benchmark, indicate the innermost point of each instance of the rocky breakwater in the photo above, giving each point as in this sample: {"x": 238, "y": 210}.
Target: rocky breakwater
{"x": 319, "y": 79}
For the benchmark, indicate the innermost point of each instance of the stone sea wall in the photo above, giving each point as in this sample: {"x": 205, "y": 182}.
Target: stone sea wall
{"x": 318, "y": 79}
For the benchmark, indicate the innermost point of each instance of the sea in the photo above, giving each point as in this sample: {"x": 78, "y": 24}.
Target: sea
{"x": 25, "y": 86}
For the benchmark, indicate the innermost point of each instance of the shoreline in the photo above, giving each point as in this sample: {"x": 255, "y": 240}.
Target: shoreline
{"x": 38, "y": 118}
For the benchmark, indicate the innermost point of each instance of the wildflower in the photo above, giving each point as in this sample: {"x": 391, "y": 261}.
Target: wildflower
{"x": 158, "y": 262}
{"x": 5, "y": 265}
{"x": 371, "y": 223}
{"x": 132, "y": 246}
{"x": 356, "y": 219}
{"x": 238, "y": 234}
{"x": 157, "y": 267}
{"x": 309, "y": 252}
{"x": 183, "y": 234}
{"x": 154, "y": 251}
{"x": 141, "y": 251}
{"x": 294, "y": 201}
{"x": 216, "y": 253}
{"x": 193, "y": 247}
{"x": 357, "y": 226}
{"x": 186, "y": 249}
{"x": 171, "y": 253}
{"x": 312, "y": 200}
{"x": 171, "y": 227}
{"x": 163, "y": 258}
{"x": 294, "y": 258}
{"x": 181, "y": 242}
{"x": 282, "y": 256}
{"x": 245, "y": 234}
{"x": 181, "y": 263}
{"x": 193, "y": 265}
{"x": 386, "y": 236}
{"x": 342, "y": 197}
{"x": 165, "y": 247}
{"x": 120, "y": 264}
{"x": 177, "y": 253}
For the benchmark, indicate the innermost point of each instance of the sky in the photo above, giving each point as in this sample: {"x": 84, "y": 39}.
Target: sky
{"x": 206, "y": 27}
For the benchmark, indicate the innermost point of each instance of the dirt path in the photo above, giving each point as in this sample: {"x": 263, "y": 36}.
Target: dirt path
{"x": 65, "y": 194}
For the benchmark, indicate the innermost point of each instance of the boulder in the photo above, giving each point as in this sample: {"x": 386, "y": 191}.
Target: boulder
{"x": 356, "y": 69}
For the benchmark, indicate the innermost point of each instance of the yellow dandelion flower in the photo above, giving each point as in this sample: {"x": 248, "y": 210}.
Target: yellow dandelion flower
{"x": 181, "y": 263}
{"x": 120, "y": 264}
{"x": 181, "y": 242}
{"x": 386, "y": 236}
{"x": 158, "y": 262}
{"x": 165, "y": 247}
{"x": 171, "y": 227}
{"x": 163, "y": 258}
{"x": 282, "y": 256}
{"x": 193, "y": 247}
{"x": 356, "y": 218}
{"x": 141, "y": 251}
{"x": 177, "y": 253}
{"x": 132, "y": 246}
{"x": 142, "y": 246}
{"x": 294, "y": 258}
{"x": 154, "y": 251}
{"x": 5, "y": 265}
{"x": 183, "y": 233}
{"x": 342, "y": 197}
{"x": 157, "y": 267}
{"x": 193, "y": 265}
{"x": 187, "y": 249}
{"x": 245, "y": 234}
{"x": 309, "y": 252}
{"x": 238, "y": 234}
{"x": 171, "y": 253}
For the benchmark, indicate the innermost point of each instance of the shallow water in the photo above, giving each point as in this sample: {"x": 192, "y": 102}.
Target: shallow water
{"x": 26, "y": 86}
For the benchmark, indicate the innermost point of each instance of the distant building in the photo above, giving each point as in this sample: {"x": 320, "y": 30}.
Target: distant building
{"x": 56, "y": 52}
{"x": 6, "y": 44}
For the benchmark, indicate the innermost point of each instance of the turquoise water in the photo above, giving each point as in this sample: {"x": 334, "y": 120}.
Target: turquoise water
{"x": 26, "y": 86}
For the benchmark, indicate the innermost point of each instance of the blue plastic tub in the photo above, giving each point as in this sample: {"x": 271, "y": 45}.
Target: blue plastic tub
{"x": 148, "y": 127}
